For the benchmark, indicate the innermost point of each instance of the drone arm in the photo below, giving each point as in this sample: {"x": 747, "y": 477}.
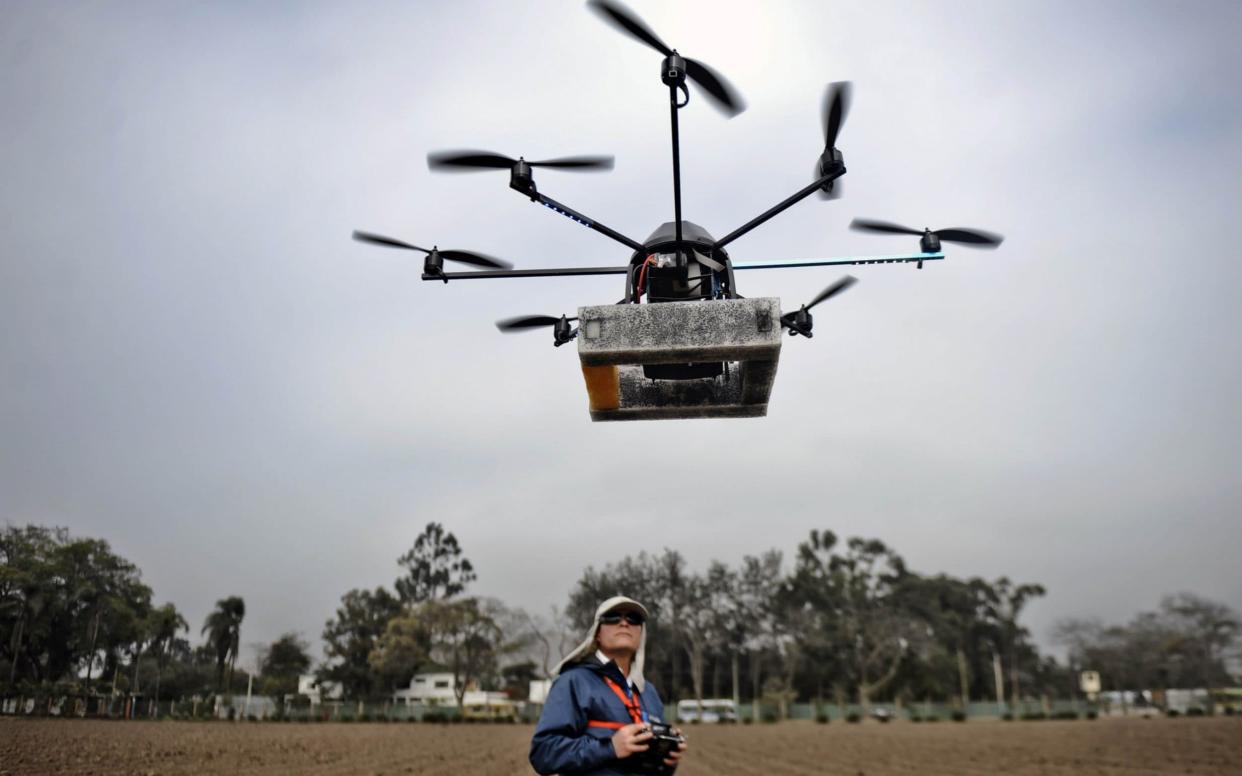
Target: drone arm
{"x": 574, "y": 215}
{"x": 780, "y": 207}
{"x": 783, "y": 264}
{"x": 527, "y": 273}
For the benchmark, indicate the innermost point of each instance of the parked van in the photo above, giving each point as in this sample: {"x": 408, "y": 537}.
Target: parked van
{"x": 712, "y": 710}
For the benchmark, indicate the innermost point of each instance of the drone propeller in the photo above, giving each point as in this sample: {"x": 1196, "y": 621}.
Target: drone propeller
{"x": 835, "y": 107}
{"x": 723, "y": 95}
{"x": 432, "y": 264}
{"x": 801, "y": 321}
{"x": 976, "y": 237}
{"x": 468, "y": 160}
{"x": 562, "y": 332}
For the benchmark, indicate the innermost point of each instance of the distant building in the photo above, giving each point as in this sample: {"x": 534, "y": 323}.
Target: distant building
{"x": 318, "y": 692}
{"x": 438, "y": 688}
{"x": 539, "y": 689}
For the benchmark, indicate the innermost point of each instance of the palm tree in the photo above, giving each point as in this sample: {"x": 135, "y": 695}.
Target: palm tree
{"x": 166, "y": 622}
{"x": 223, "y": 629}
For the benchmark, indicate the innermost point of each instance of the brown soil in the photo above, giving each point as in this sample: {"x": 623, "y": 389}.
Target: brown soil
{"x": 1134, "y": 746}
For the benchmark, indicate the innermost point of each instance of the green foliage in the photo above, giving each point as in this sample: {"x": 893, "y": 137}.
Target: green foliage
{"x": 352, "y": 635}
{"x": 223, "y": 631}
{"x": 958, "y": 715}
{"x": 853, "y": 718}
{"x": 1183, "y": 643}
{"x": 64, "y": 602}
{"x": 435, "y": 569}
{"x": 1195, "y": 711}
{"x": 404, "y": 646}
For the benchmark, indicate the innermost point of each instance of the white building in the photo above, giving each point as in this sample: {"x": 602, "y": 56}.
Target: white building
{"x": 310, "y": 686}
{"x": 439, "y": 689}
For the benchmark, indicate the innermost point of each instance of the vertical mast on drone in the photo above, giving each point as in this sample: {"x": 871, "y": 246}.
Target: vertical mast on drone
{"x": 675, "y": 69}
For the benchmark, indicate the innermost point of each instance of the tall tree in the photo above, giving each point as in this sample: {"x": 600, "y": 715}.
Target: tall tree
{"x": 58, "y": 597}
{"x": 1006, "y": 601}
{"x": 351, "y": 636}
{"x": 166, "y": 623}
{"x": 435, "y": 568}
{"x": 280, "y": 665}
{"x": 463, "y": 638}
{"x": 758, "y": 585}
{"x": 856, "y": 593}
{"x": 401, "y": 649}
{"x": 223, "y": 629}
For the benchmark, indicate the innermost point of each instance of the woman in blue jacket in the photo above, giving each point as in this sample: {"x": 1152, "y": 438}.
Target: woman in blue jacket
{"x": 596, "y": 717}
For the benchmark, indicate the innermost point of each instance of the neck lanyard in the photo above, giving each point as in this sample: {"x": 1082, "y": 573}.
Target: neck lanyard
{"x": 631, "y": 701}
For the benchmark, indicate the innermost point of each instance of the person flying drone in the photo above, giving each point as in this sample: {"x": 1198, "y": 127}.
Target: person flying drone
{"x": 602, "y": 718}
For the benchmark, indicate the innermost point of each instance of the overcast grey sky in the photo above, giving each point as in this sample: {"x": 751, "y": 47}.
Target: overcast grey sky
{"x": 197, "y": 364}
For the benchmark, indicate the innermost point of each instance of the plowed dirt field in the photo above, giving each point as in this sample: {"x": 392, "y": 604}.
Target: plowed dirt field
{"x": 1181, "y": 746}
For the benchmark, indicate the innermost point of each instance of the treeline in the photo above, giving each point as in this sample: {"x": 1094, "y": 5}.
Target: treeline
{"x": 851, "y": 622}
{"x": 77, "y": 619}
{"x": 1184, "y": 643}
{"x": 843, "y": 621}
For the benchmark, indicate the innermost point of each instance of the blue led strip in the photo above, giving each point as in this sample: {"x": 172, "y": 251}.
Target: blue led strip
{"x": 570, "y": 214}
{"x": 831, "y": 262}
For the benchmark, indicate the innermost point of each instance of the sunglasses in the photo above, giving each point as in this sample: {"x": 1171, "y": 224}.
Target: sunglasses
{"x": 612, "y": 618}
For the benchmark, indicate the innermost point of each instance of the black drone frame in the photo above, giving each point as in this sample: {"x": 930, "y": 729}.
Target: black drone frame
{"x": 677, "y": 242}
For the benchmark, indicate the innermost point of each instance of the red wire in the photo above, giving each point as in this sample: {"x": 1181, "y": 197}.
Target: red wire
{"x": 642, "y": 275}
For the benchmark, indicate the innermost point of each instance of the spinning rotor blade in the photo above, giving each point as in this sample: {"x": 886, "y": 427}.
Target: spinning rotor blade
{"x": 523, "y": 322}
{"x": 970, "y": 237}
{"x": 388, "y": 242}
{"x": 832, "y": 290}
{"x": 477, "y": 259}
{"x": 884, "y": 227}
{"x": 956, "y": 234}
{"x": 465, "y": 160}
{"x": 577, "y": 163}
{"x": 450, "y": 161}
{"x": 722, "y": 93}
{"x": 464, "y": 257}
{"x": 628, "y": 22}
{"x": 836, "y": 107}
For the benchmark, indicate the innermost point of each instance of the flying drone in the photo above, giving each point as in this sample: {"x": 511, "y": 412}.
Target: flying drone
{"x": 682, "y": 342}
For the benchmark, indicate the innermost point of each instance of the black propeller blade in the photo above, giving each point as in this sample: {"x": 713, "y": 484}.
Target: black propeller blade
{"x": 462, "y": 257}
{"x": 562, "y": 332}
{"x": 834, "y": 108}
{"x": 524, "y": 322}
{"x": 722, "y": 93}
{"x": 464, "y": 160}
{"x": 958, "y": 235}
{"x": 831, "y": 291}
{"x": 801, "y": 321}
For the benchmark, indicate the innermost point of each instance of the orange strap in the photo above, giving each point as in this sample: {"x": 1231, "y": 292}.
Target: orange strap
{"x": 599, "y": 723}
{"x": 631, "y": 706}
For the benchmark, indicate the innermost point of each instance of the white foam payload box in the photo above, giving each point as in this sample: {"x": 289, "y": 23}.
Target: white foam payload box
{"x": 616, "y": 341}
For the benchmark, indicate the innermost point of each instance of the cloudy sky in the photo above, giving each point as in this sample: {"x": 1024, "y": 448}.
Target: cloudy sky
{"x": 197, "y": 364}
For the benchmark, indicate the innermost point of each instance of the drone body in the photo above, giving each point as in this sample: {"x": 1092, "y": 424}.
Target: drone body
{"x": 682, "y": 342}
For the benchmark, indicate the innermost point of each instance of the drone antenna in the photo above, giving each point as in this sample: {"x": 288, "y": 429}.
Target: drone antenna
{"x": 673, "y": 73}
{"x": 676, "y": 67}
